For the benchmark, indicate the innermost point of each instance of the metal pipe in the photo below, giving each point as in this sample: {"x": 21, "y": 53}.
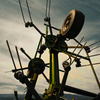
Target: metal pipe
{"x": 19, "y": 59}
{"x": 38, "y": 47}
{"x": 11, "y": 54}
{"x": 78, "y": 53}
{"x": 89, "y": 64}
{"x": 25, "y": 53}
{"x": 52, "y": 27}
{"x": 93, "y": 71}
{"x": 78, "y": 91}
{"x": 78, "y": 42}
{"x": 38, "y": 30}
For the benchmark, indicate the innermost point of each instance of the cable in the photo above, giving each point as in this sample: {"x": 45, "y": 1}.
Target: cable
{"x": 28, "y": 10}
{"x": 21, "y": 11}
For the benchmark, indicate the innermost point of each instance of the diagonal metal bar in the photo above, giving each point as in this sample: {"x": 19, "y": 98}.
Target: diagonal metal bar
{"x": 96, "y": 78}
{"x": 19, "y": 59}
{"x": 78, "y": 53}
{"x": 11, "y": 55}
{"x": 21, "y": 11}
{"x": 28, "y": 10}
{"x": 89, "y": 64}
{"x": 95, "y": 48}
{"x": 25, "y": 53}
{"x": 45, "y": 77}
{"x": 94, "y": 43}
{"x": 78, "y": 91}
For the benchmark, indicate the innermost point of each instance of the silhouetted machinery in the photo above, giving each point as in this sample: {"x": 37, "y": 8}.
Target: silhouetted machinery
{"x": 56, "y": 44}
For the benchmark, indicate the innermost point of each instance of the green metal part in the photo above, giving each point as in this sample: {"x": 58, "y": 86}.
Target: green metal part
{"x": 55, "y": 43}
{"x": 36, "y": 65}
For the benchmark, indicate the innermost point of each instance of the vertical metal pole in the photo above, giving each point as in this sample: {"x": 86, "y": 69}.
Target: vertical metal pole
{"x": 64, "y": 80}
{"x": 46, "y": 33}
{"x": 50, "y": 26}
{"x": 55, "y": 69}
{"x": 50, "y": 71}
{"x": 93, "y": 71}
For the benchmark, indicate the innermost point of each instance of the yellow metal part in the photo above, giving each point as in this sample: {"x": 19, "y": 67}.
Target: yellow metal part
{"x": 69, "y": 54}
{"x": 46, "y": 33}
{"x": 93, "y": 71}
{"x": 52, "y": 86}
{"x": 35, "y": 76}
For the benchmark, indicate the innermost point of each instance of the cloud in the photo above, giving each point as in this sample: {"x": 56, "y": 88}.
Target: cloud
{"x": 12, "y": 29}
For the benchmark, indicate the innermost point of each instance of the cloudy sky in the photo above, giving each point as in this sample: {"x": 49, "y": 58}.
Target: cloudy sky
{"x": 12, "y": 28}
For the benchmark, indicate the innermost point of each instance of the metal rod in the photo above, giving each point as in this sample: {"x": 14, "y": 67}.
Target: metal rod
{"x": 46, "y": 32}
{"x": 19, "y": 59}
{"x": 75, "y": 46}
{"x": 52, "y": 27}
{"x": 11, "y": 54}
{"x": 79, "y": 52}
{"x": 46, "y": 8}
{"x": 20, "y": 69}
{"x": 78, "y": 91}
{"x": 89, "y": 64}
{"x": 94, "y": 43}
{"x": 95, "y": 48}
{"x": 25, "y": 53}
{"x": 94, "y": 55}
{"x": 28, "y": 10}
{"x": 75, "y": 49}
{"x": 69, "y": 53}
{"x": 45, "y": 77}
{"x": 64, "y": 80}
{"x": 78, "y": 42}
{"x": 38, "y": 47}
{"x": 49, "y": 8}
{"x": 93, "y": 71}
{"x": 38, "y": 30}
{"x": 21, "y": 11}
{"x": 59, "y": 69}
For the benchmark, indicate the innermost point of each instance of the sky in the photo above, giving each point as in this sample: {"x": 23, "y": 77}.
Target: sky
{"x": 12, "y": 28}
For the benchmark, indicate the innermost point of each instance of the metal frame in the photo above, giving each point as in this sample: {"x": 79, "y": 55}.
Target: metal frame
{"x": 55, "y": 90}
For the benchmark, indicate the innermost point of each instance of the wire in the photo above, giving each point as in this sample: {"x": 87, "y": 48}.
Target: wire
{"x": 28, "y": 10}
{"x": 21, "y": 11}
